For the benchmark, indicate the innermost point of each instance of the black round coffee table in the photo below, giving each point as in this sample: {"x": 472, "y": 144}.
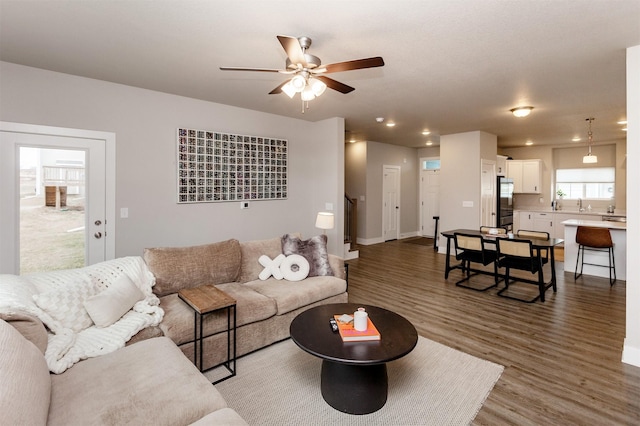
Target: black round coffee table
{"x": 354, "y": 374}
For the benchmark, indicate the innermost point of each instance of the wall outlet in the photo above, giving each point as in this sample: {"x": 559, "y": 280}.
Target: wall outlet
{"x": 541, "y": 200}
{"x": 244, "y": 204}
{"x": 328, "y": 206}
{"x": 124, "y": 212}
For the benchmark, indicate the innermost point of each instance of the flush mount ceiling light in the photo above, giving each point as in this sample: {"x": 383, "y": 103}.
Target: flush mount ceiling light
{"x": 380, "y": 119}
{"x": 590, "y": 158}
{"x": 522, "y": 111}
{"x": 426, "y": 132}
{"x": 576, "y": 139}
{"x": 429, "y": 143}
{"x": 391, "y": 124}
{"x": 528, "y": 143}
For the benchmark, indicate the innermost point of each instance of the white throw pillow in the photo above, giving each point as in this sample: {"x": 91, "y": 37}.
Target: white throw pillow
{"x": 271, "y": 267}
{"x": 110, "y": 305}
{"x": 66, "y": 305}
{"x": 295, "y": 268}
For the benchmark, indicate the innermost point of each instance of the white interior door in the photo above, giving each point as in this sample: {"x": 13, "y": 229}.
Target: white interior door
{"x": 429, "y": 200}
{"x": 488, "y": 193}
{"x": 391, "y": 202}
{"x": 99, "y": 188}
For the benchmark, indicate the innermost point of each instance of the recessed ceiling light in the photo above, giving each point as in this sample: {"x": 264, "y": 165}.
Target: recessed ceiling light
{"x": 575, "y": 139}
{"x": 429, "y": 143}
{"x": 622, "y": 122}
{"x": 352, "y": 141}
{"x": 380, "y": 119}
{"x": 391, "y": 124}
{"x": 522, "y": 111}
{"x": 624, "y": 129}
{"x": 528, "y": 143}
{"x": 426, "y": 132}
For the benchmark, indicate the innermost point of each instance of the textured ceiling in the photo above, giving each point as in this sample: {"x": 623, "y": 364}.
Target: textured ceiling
{"x": 451, "y": 66}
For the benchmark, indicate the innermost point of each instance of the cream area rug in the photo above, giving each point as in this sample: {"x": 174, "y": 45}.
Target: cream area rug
{"x": 432, "y": 385}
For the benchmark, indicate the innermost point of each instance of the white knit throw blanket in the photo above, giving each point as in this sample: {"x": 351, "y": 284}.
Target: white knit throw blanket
{"x": 66, "y": 347}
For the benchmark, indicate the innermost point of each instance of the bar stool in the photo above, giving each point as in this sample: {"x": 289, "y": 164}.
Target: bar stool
{"x": 595, "y": 239}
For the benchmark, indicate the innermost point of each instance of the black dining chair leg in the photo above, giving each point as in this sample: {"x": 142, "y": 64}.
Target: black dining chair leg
{"x": 495, "y": 271}
{"x": 541, "y": 283}
{"x": 575, "y": 272}
{"x": 612, "y": 261}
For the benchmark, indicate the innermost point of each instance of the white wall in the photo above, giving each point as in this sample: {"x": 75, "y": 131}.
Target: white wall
{"x": 145, "y": 124}
{"x": 631, "y": 352}
{"x": 460, "y": 171}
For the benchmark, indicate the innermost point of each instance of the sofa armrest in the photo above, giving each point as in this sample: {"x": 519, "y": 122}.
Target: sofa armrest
{"x": 338, "y": 266}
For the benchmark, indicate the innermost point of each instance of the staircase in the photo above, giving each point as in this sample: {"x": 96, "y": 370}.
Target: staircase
{"x": 350, "y": 227}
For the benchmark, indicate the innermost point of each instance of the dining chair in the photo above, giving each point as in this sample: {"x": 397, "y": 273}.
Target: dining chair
{"x": 595, "y": 239}
{"x": 472, "y": 249}
{"x": 521, "y": 255}
{"x": 540, "y": 235}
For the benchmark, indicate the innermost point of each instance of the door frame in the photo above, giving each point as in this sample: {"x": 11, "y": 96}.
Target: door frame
{"x": 10, "y": 210}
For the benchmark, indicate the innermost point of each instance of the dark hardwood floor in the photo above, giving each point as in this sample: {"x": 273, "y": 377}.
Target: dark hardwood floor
{"x": 562, "y": 357}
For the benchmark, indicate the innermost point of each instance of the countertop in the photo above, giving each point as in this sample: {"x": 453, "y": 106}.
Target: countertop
{"x": 617, "y": 213}
{"x": 598, "y": 224}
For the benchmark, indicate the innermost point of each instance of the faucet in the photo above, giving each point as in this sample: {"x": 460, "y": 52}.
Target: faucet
{"x": 580, "y": 204}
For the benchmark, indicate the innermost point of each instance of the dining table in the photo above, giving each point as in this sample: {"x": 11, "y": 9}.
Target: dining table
{"x": 537, "y": 243}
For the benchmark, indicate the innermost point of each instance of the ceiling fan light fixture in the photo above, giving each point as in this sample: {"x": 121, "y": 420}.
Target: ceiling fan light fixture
{"x": 307, "y": 94}
{"x": 522, "y": 111}
{"x": 298, "y": 83}
{"x": 289, "y": 90}
{"x": 317, "y": 86}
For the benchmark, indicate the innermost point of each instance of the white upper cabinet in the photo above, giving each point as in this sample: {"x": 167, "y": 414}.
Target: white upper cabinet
{"x": 526, "y": 175}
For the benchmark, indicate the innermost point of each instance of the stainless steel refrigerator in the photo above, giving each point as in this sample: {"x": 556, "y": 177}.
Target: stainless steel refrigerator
{"x": 504, "y": 210}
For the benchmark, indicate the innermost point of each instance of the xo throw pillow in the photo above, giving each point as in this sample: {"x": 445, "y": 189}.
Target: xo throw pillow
{"x": 314, "y": 250}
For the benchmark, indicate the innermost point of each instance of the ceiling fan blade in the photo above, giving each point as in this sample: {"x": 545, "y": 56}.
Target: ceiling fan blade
{"x": 335, "y": 85}
{"x": 278, "y": 89}
{"x": 292, "y": 46}
{"x": 351, "y": 65}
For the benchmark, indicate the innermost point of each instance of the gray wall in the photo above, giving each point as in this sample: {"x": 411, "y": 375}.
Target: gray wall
{"x": 145, "y": 124}
{"x": 364, "y": 163}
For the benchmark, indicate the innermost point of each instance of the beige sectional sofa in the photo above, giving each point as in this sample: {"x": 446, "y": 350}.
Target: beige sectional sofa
{"x": 150, "y": 381}
{"x": 265, "y": 308}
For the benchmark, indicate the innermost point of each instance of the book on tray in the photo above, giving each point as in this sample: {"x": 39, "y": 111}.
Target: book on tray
{"x": 350, "y": 334}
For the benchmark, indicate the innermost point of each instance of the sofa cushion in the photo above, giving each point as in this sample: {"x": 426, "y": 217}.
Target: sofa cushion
{"x": 314, "y": 250}
{"x": 176, "y": 268}
{"x": 291, "y": 295}
{"x": 111, "y": 304}
{"x": 30, "y": 327}
{"x": 178, "y": 320}
{"x": 251, "y": 252}
{"x": 225, "y": 416}
{"x": 150, "y": 382}
{"x": 25, "y": 385}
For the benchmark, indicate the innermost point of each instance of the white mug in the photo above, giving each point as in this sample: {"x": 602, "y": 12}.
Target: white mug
{"x": 360, "y": 320}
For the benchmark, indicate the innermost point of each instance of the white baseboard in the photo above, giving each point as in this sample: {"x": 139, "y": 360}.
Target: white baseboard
{"x": 631, "y": 355}
{"x": 369, "y": 241}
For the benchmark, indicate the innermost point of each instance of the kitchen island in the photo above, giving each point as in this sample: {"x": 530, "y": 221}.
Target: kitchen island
{"x": 618, "y": 235}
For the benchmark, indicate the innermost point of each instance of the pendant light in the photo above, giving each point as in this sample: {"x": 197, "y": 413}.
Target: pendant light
{"x": 590, "y": 158}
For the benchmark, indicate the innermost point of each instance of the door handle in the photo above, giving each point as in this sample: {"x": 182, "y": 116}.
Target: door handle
{"x": 97, "y": 235}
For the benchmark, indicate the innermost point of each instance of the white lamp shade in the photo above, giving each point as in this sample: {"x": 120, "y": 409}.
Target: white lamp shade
{"x": 307, "y": 94}
{"x": 298, "y": 83}
{"x": 317, "y": 86}
{"x": 289, "y": 90}
{"x": 324, "y": 220}
{"x": 590, "y": 159}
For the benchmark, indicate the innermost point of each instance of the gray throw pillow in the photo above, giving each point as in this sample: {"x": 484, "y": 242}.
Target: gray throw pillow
{"x": 314, "y": 250}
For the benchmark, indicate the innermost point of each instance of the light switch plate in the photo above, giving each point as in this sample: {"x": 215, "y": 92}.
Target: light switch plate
{"x": 467, "y": 204}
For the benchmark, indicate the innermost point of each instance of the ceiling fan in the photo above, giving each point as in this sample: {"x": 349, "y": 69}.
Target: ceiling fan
{"x": 307, "y": 70}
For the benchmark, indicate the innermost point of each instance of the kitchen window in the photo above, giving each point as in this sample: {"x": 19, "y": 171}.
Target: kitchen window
{"x": 588, "y": 183}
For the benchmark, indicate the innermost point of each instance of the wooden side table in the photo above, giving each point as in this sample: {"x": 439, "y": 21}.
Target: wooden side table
{"x": 204, "y": 300}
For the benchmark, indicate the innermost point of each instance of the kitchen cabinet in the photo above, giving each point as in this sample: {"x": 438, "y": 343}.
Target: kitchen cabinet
{"x": 543, "y": 222}
{"x": 558, "y": 226}
{"x": 526, "y": 175}
{"x": 526, "y": 221}
{"x": 501, "y": 165}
